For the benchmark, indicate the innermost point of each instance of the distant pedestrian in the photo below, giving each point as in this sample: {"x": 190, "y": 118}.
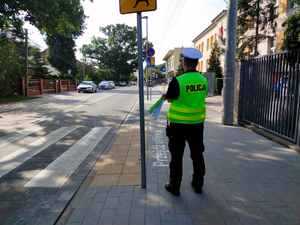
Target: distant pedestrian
{"x": 187, "y": 112}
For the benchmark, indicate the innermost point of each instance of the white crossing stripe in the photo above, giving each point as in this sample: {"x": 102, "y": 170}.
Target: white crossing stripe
{"x": 7, "y": 139}
{"x": 16, "y": 158}
{"x": 58, "y": 172}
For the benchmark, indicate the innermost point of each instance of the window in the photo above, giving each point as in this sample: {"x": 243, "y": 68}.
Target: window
{"x": 201, "y": 47}
{"x": 207, "y": 66}
{"x": 211, "y": 42}
{"x": 207, "y": 45}
{"x": 273, "y": 45}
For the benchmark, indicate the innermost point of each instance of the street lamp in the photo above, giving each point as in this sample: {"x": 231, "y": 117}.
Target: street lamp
{"x": 146, "y": 17}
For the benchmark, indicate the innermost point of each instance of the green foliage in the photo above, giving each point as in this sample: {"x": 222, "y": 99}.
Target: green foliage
{"x": 291, "y": 39}
{"x": 49, "y": 16}
{"x": 180, "y": 69}
{"x": 132, "y": 77}
{"x": 87, "y": 78}
{"x": 214, "y": 61}
{"x": 103, "y": 74}
{"x": 118, "y": 51}
{"x": 258, "y": 15}
{"x": 218, "y": 85}
{"x": 36, "y": 67}
{"x": 11, "y": 65}
{"x": 61, "y": 53}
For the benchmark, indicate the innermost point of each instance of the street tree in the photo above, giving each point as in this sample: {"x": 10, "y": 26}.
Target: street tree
{"x": 180, "y": 69}
{"x": 48, "y": 16}
{"x": 118, "y": 51}
{"x": 36, "y": 67}
{"x": 255, "y": 23}
{"x": 61, "y": 53}
{"x": 214, "y": 64}
{"x": 291, "y": 39}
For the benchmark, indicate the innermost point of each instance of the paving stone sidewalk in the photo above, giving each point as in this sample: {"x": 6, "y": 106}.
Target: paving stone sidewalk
{"x": 249, "y": 180}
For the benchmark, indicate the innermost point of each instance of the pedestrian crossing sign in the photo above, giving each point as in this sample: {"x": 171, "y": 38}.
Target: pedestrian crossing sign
{"x": 132, "y": 6}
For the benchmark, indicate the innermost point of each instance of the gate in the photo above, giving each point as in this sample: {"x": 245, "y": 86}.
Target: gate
{"x": 271, "y": 93}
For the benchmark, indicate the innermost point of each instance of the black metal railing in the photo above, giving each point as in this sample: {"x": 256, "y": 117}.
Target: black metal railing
{"x": 271, "y": 93}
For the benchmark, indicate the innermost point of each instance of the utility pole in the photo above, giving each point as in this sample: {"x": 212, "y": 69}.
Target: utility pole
{"x": 26, "y": 62}
{"x": 230, "y": 52}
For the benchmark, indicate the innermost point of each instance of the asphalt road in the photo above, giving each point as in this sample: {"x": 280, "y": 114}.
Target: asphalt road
{"x": 49, "y": 145}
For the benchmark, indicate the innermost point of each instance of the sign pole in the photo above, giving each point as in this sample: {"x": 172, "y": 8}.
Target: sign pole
{"x": 141, "y": 94}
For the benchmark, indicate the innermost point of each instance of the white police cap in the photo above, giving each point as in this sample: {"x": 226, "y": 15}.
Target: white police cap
{"x": 191, "y": 54}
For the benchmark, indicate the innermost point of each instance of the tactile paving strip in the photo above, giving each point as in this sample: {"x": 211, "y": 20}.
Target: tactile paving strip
{"x": 122, "y": 164}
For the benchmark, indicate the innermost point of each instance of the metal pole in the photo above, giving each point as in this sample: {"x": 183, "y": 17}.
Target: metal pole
{"x": 26, "y": 63}
{"x": 230, "y": 52}
{"x": 141, "y": 93}
{"x": 147, "y": 48}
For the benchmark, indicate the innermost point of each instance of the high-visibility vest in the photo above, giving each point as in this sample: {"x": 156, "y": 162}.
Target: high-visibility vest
{"x": 189, "y": 108}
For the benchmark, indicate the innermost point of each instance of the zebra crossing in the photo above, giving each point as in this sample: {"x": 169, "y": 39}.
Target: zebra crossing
{"x": 58, "y": 171}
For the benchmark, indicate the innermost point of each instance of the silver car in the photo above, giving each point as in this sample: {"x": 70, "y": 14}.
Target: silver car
{"x": 87, "y": 86}
{"x": 111, "y": 84}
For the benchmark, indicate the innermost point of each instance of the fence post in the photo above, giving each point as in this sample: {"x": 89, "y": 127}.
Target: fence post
{"x": 59, "y": 85}
{"x": 41, "y": 86}
{"x": 69, "y": 85}
{"x": 23, "y": 86}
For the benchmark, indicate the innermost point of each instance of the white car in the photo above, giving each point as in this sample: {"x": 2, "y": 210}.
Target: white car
{"x": 87, "y": 86}
{"x": 122, "y": 83}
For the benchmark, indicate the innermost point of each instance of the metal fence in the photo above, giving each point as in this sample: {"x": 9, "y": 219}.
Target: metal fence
{"x": 271, "y": 93}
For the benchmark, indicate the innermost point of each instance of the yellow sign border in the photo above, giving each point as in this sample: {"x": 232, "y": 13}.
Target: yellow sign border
{"x": 127, "y": 6}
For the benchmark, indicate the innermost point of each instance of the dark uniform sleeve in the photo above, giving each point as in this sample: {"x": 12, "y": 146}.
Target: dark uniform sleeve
{"x": 173, "y": 90}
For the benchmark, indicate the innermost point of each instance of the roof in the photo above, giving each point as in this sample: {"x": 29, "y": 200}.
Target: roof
{"x": 168, "y": 54}
{"x": 213, "y": 23}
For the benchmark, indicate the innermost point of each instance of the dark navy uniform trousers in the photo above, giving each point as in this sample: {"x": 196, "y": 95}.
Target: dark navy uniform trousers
{"x": 193, "y": 135}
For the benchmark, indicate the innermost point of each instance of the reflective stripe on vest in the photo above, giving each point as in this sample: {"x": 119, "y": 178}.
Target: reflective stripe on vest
{"x": 190, "y": 105}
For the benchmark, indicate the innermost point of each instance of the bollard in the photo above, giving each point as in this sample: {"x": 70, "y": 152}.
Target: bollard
{"x": 163, "y": 86}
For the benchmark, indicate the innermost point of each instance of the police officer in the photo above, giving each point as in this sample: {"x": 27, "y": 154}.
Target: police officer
{"x": 186, "y": 93}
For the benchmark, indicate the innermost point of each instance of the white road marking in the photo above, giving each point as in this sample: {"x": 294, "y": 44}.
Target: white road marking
{"x": 58, "y": 172}
{"x": 16, "y": 158}
{"x": 7, "y": 139}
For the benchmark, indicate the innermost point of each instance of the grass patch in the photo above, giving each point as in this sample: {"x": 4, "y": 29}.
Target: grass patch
{"x": 16, "y": 98}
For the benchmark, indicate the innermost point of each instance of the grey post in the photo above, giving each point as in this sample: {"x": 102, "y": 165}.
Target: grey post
{"x": 141, "y": 93}
{"x": 230, "y": 52}
{"x": 146, "y": 17}
{"x": 26, "y": 62}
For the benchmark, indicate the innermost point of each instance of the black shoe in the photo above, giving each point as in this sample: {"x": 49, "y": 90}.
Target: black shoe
{"x": 196, "y": 189}
{"x": 174, "y": 191}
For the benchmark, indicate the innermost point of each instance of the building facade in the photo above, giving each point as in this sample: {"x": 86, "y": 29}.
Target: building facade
{"x": 204, "y": 42}
{"x": 217, "y": 30}
{"x": 172, "y": 62}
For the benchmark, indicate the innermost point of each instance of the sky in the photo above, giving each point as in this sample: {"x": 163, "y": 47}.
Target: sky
{"x": 174, "y": 24}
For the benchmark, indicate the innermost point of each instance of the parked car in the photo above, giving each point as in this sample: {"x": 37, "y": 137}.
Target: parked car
{"x": 133, "y": 82}
{"x": 112, "y": 84}
{"x": 122, "y": 83}
{"x": 87, "y": 86}
{"x": 104, "y": 85}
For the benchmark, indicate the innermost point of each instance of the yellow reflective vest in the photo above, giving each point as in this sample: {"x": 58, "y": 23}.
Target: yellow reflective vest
{"x": 189, "y": 108}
